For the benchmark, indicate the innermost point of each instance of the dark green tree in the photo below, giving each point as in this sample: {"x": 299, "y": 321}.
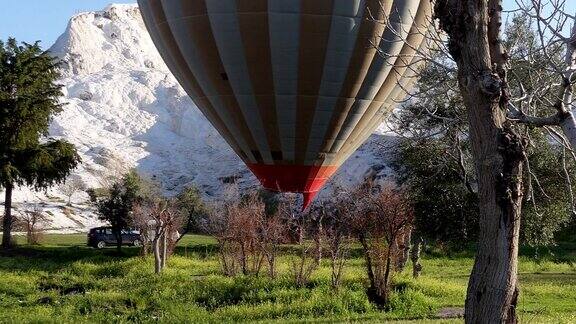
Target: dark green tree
{"x": 192, "y": 207}
{"x": 115, "y": 206}
{"x": 29, "y": 98}
{"x": 435, "y": 160}
{"x": 446, "y": 211}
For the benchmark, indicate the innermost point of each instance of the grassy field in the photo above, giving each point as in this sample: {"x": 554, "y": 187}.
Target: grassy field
{"x": 65, "y": 282}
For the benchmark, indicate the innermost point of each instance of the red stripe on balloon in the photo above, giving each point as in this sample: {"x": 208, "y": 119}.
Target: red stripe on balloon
{"x": 307, "y": 180}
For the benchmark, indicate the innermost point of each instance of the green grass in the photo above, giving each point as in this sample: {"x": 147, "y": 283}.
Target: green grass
{"x": 63, "y": 281}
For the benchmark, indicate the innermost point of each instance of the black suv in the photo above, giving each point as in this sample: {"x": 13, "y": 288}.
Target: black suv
{"x": 100, "y": 237}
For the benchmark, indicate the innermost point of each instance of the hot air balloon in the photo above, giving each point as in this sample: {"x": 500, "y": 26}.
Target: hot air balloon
{"x": 293, "y": 86}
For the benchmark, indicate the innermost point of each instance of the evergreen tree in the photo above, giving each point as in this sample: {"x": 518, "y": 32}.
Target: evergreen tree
{"x": 115, "y": 207}
{"x": 192, "y": 207}
{"x": 28, "y": 100}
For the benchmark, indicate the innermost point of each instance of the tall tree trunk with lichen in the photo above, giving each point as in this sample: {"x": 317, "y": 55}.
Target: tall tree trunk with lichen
{"x": 473, "y": 28}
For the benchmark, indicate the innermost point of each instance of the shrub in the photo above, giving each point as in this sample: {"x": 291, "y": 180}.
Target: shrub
{"x": 380, "y": 221}
{"x": 247, "y": 236}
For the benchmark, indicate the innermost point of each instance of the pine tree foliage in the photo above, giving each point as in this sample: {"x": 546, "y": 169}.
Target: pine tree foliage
{"x": 29, "y": 97}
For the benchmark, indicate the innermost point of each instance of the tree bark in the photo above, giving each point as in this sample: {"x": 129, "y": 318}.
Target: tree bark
{"x": 473, "y": 29}
{"x": 497, "y": 152}
{"x": 318, "y": 242}
{"x": 8, "y": 219}
{"x": 415, "y": 256}
{"x": 568, "y": 126}
{"x": 384, "y": 290}
{"x": 368, "y": 260}
{"x": 118, "y": 235}
{"x": 157, "y": 257}
{"x": 404, "y": 250}
{"x": 164, "y": 250}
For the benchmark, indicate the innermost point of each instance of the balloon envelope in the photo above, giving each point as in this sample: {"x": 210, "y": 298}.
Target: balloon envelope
{"x": 293, "y": 86}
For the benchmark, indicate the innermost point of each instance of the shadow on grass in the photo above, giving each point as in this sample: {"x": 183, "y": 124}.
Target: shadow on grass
{"x": 54, "y": 258}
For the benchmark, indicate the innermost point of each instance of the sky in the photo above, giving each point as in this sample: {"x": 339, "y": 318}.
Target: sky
{"x": 45, "y": 20}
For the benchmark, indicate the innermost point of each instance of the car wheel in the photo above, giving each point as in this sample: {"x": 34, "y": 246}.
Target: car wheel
{"x": 137, "y": 243}
{"x": 101, "y": 244}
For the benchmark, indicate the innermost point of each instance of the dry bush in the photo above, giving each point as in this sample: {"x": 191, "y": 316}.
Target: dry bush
{"x": 307, "y": 230}
{"x": 383, "y": 216}
{"x": 338, "y": 235}
{"x": 272, "y": 234}
{"x": 32, "y": 222}
{"x": 248, "y": 238}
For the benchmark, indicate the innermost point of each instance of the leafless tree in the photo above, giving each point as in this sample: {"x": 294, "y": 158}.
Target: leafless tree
{"x": 272, "y": 234}
{"x": 248, "y": 238}
{"x": 314, "y": 221}
{"x": 306, "y": 259}
{"x": 164, "y": 220}
{"x": 143, "y": 222}
{"x": 497, "y": 146}
{"x": 338, "y": 234}
{"x": 71, "y": 187}
{"x": 32, "y": 221}
{"x": 381, "y": 218}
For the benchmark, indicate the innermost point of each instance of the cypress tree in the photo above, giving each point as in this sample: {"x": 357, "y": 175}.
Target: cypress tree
{"x": 29, "y": 97}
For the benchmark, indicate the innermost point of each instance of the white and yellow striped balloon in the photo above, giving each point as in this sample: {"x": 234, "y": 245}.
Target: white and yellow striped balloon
{"x": 294, "y": 86}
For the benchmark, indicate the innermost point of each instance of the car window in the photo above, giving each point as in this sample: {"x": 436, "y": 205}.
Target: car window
{"x": 108, "y": 231}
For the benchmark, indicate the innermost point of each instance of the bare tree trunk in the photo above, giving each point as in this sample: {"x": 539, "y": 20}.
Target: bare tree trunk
{"x": 157, "y": 257}
{"x": 318, "y": 243}
{"x": 272, "y": 264}
{"x": 473, "y": 28}
{"x": 164, "y": 250}
{"x": 118, "y": 241}
{"x": 415, "y": 256}
{"x": 404, "y": 250}
{"x": 145, "y": 243}
{"x": 243, "y": 261}
{"x": 569, "y": 129}
{"x": 7, "y": 222}
{"x": 384, "y": 290}
{"x": 368, "y": 260}
{"x": 498, "y": 155}
{"x": 337, "y": 258}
